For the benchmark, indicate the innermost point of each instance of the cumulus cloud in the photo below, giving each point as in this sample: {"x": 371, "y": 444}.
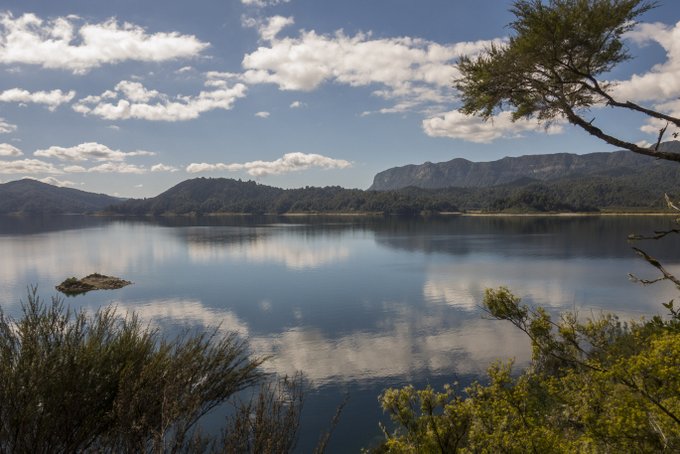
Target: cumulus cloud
{"x": 408, "y": 70}
{"x": 296, "y": 105}
{"x": 131, "y": 100}
{"x": 290, "y": 162}
{"x": 67, "y": 43}
{"x": 262, "y": 114}
{"x": 134, "y": 91}
{"x": 163, "y": 168}
{"x": 269, "y": 28}
{"x": 653, "y": 125}
{"x": 6, "y": 128}
{"x": 55, "y": 182}
{"x": 662, "y": 81}
{"x": 52, "y": 99}
{"x": 27, "y": 166}
{"x": 90, "y": 151}
{"x": 7, "y": 150}
{"x": 263, "y": 3}
{"x": 117, "y": 167}
{"x": 457, "y": 125}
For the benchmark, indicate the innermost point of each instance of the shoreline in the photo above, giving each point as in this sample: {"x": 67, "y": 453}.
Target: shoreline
{"x": 361, "y": 214}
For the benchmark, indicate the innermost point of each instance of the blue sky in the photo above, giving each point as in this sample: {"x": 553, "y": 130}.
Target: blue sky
{"x": 131, "y": 97}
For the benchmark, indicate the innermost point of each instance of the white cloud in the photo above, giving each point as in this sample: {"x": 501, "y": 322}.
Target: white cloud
{"x": 74, "y": 169}
{"x": 117, "y": 167}
{"x": 163, "y": 168}
{"x": 66, "y": 43}
{"x": 55, "y": 182}
{"x": 6, "y": 128}
{"x": 653, "y": 125}
{"x": 52, "y": 99}
{"x": 185, "y": 69}
{"x": 270, "y": 28}
{"x": 662, "y": 81}
{"x": 290, "y": 162}
{"x": 90, "y": 151}
{"x": 457, "y": 125}
{"x": 263, "y": 3}
{"x": 27, "y": 166}
{"x": 405, "y": 69}
{"x": 296, "y": 105}
{"x": 262, "y": 114}
{"x": 9, "y": 150}
{"x": 135, "y": 91}
{"x": 131, "y": 100}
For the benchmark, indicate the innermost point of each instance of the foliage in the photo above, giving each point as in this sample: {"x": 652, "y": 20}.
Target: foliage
{"x": 74, "y": 382}
{"x": 595, "y": 386}
{"x": 551, "y": 67}
{"x": 267, "y": 424}
{"x": 583, "y": 194}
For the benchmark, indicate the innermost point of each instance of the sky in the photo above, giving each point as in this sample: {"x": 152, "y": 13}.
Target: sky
{"x": 130, "y": 98}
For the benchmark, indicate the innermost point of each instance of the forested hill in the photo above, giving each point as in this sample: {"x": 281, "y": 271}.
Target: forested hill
{"x": 31, "y": 196}
{"x": 643, "y": 191}
{"x": 545, "y": 167}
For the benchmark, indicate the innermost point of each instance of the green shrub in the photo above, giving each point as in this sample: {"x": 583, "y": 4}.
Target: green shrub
{"x": 73, "y": 382}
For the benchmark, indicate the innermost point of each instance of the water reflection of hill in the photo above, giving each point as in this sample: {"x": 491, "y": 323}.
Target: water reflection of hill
{"x": 557, "y": 237}
{"x": 31, "y": 225}
{"x": 577, "y": 236}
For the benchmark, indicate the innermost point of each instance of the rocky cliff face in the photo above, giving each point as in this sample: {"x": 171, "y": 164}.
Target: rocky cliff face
{"x": 463, "y": 173}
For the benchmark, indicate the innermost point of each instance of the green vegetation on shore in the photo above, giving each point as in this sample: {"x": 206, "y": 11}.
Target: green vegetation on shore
{"x": 593, "y": 194}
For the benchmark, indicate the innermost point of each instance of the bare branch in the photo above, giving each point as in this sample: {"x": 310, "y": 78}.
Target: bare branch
{"x": 656, "y": 264}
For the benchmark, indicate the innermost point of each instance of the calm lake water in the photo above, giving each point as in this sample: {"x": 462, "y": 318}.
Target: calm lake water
{"x": 357, "y": 304}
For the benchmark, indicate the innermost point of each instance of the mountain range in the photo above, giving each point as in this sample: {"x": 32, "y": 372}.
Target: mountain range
{"x": 616, "y": 181}
{"x": 462, "y": 173}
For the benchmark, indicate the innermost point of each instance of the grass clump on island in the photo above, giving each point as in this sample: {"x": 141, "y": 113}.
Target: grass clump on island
{"x": 95, "y": 281}
{"x": 74, "y": 382}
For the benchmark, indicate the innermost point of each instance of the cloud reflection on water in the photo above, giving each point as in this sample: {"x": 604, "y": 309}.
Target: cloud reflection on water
{"x": 397, "y": 353}
{"x": 292, "y": 252}
{"x": 407, "y": 345}
{"x": 183, "y": 314}
{"x": 276, "y": 244}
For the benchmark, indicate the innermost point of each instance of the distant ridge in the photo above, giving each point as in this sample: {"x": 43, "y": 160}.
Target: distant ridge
{"x": 205, "y": 195}
{"x": 544, "y": 167}
{"x": 33, "y": 197}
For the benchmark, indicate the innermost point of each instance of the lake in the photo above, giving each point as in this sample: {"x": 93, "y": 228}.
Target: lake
{"x": 356, "y": 303}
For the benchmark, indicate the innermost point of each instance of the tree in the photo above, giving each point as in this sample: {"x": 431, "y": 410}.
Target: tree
{"x": 551, "y": 67}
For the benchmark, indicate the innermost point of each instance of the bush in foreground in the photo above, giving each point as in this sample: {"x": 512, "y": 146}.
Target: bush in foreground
{"x": 72, "y": 382}
{"x": 594, "y": 386}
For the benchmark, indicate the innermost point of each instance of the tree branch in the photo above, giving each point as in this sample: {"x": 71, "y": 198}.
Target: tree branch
{"x": 575, "y": 119}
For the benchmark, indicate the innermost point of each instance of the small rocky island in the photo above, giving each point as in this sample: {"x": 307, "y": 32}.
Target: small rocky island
{"x": 95, "y": 281}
